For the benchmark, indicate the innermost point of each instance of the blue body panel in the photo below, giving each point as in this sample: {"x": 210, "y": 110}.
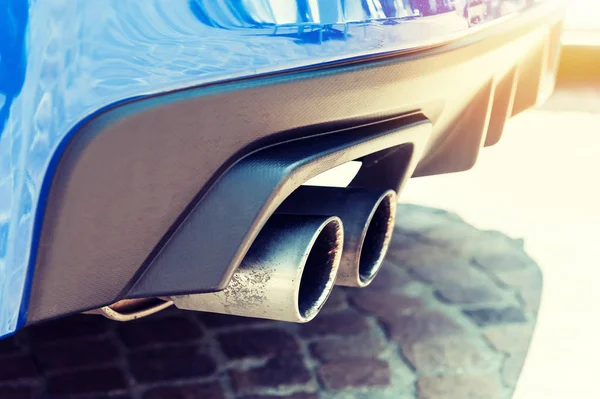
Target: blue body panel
{"x": 64, "y": 61}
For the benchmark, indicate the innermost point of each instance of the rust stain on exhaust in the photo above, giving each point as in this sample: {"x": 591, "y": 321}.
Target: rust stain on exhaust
{"x": 249, "y": 289}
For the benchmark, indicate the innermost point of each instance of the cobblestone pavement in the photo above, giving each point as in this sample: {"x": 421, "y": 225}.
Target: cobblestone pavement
{"x": 450, "y": 316}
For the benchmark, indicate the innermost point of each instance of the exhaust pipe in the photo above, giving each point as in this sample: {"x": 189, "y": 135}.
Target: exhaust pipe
{"x": 132, "y": 309}
{"x": 368, "y": 219}
{"x": 287, "y": 274}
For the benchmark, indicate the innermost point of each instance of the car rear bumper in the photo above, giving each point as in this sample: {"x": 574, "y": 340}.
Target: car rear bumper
{"x": 118, "y": 116}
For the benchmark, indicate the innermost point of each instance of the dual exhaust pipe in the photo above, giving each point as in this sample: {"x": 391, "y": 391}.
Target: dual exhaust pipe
{"x": 319, "y": 237}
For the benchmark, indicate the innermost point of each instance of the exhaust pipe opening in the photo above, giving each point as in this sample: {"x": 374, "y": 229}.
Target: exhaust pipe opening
{"x": 318, "y": 278}
{"x": 377, "y": 238}
{"x": 287, "y": 274}
{"x": 368, "y": 218}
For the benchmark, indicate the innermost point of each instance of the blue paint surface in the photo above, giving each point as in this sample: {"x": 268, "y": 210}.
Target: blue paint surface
{"x": 61, "y": 61}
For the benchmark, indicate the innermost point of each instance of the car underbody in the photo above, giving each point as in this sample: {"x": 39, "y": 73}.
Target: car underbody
{"x": 197, "y": 191}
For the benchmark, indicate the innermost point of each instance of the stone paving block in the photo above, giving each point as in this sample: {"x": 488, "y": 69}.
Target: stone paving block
{"x": 423, "y": 325}
{"x": 512, "y": 367}
{"x": 212, "y": 390}
{"x": 24, "y": 392}
{"x": 214, "y": 320}
{"x": 68, "y": 328}
{"x": 404, "y": 239}
{"x": 278, "y": 372}
{"x": 390, "y": 277}
{"x": 170, "y": 363}
{"x": 336, "y": 301}
{"x": 469, "y": 295}
{"x": 457, "y": 281}
{"x": 500, "y": 252}
{"x": 523, "y": 279}
{"x": 485, "y": 248}
{"x": 8, "y": 346}
{"x": 385, "y": 303}
{"x": 493, "y": 316}
{"x": 83, "y": 352}
{"x": 455, "y": 234}
{"x": 532, "y": 300}
{"x": 465, "y": 386}
{"x": 87, "y": 381}
{"x": 503, "y": 261}
{"x": 418, "y": 218}
{"x": 364, "y": 346}
{"x": 511, "y": 338}
{"x": 364, "y": 373}
{"x": 448, "y": 354}
{"x": 172, "y": 329}
{"x": 417, "y": 253}
{"x": 342, "y": 323}
{"x": 301, "y": 395}
{"x": 17, "y": 367}
{"x": 457, "y": 272}
{"x": 257, "y": 343}
{"x": 109, "y": 395}
{"x": 528, "y": 282}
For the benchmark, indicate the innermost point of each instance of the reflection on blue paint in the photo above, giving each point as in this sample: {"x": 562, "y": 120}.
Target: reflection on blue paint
{"x": 13, "y": 25}
{"x": 12, "y": 54}
{"x": 306, "y": 15}
{"x": 62, "y": 61}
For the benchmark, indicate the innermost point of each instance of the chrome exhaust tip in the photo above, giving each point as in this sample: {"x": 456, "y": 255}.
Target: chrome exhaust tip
{"x": 287, "y": 274}
{"x": 375, "y": 242}
{"x": 368, "y": 219}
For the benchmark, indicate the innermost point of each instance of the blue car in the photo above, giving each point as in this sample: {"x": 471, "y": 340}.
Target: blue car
{"x": 165, "y": 153}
